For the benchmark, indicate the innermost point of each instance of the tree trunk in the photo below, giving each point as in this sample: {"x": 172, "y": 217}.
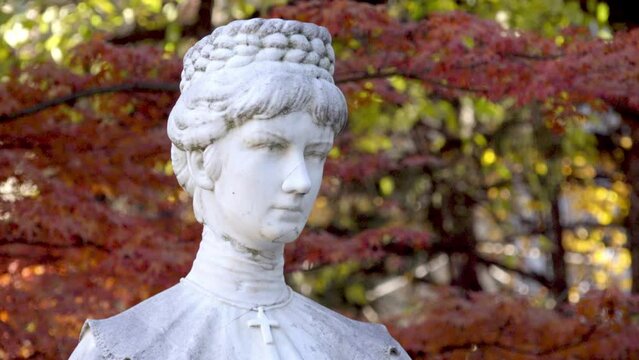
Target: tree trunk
{"x": 468, "y": 278}
{"x": 454, "y": 221}
{"x": 559, "y": 283}
{"x": 633, "y": 225}
{"x": 631, "y": 172}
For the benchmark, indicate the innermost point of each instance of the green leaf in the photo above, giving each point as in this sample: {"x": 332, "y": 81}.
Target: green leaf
{"x": 356, "y": 294}
{"x": 398, "y": 83}
{"x": 386, "y": 185}
{"x": 153, "y": 5}
{"x": 603, "y": 12}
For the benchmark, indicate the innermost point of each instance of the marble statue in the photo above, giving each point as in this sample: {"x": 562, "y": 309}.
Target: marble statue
{"x": 256, "y": 118}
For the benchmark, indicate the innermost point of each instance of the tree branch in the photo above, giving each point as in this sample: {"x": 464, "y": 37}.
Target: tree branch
{"x": 46, "y": 245}
{"x": 174, "y": 87}
{"x": 384, "y": 74}
{"x": 139, "y": 34}
{"x": 534, "y": 57}
{"x": 71, "y": 98}
{"x": 541, "y": 279}
{"x": 584, "y": 338}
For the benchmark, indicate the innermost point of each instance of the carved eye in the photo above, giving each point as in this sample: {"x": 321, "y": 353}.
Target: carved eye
{"x": 275, "y": 146}
{"x": 267, "y": 145}
{"x": 319, "y": 155}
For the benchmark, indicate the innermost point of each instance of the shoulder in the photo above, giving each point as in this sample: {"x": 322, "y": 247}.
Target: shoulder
{"x": 354, "y": 339}
{"x": 152, "y": 327}
{"x": 87, "y": 348}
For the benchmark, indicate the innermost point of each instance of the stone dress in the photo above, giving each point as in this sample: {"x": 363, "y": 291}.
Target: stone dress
{"x": 192, "y": 321}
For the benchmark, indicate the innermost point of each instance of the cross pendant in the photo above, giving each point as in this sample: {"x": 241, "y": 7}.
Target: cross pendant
{"x": 265, "y": 325}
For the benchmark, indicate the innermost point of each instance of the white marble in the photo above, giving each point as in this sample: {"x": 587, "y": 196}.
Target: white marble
{"x": 250, "y": 132}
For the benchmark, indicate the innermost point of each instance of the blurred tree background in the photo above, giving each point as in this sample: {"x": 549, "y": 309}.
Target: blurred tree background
{"x": 483, "y": 201}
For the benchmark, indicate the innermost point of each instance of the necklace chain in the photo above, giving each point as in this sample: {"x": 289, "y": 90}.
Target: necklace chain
{"x": 230, "y": 302}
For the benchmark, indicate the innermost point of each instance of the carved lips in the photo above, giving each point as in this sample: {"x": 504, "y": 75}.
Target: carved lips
{"x": 289, "y": 212}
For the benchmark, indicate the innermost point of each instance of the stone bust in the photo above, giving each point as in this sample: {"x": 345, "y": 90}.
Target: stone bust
{"x": 256, "y": 117}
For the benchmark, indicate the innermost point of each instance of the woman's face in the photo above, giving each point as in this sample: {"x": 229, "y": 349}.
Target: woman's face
{"x": 270, "y": 176}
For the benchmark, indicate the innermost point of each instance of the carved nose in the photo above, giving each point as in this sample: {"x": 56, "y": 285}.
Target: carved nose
{"x": 298, "y": 180}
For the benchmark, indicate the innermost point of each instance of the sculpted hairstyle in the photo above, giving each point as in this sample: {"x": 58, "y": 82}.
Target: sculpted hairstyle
{"x": 251, "y": 70}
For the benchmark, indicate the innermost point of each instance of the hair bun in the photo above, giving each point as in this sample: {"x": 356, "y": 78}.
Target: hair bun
{"x": 243, "y": 42}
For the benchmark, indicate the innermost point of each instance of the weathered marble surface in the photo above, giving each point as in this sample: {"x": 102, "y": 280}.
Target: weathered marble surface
{"x": 250, "y": 132}
{"x": 185, "y": 322}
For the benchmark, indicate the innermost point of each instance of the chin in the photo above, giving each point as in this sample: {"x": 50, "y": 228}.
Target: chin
{"x": 282, "y": 233}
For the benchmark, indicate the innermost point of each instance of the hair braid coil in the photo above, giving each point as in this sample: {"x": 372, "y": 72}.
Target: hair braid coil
{"x": 245, "y": 41}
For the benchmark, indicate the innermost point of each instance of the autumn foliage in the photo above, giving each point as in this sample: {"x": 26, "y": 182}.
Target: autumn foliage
{"x": 454, "y": 53}
{"x": 482, "y": 326}
{"x": 92, "y": 220}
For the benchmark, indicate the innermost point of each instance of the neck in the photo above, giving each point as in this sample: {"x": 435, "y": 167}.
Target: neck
{"x": 237, "y": 274}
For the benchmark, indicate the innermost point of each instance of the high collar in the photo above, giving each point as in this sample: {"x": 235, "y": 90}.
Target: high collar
{"x": 236, "y": 274}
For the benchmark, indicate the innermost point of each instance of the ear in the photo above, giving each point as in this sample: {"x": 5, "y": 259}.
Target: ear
{"x": 195, "y": 161}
